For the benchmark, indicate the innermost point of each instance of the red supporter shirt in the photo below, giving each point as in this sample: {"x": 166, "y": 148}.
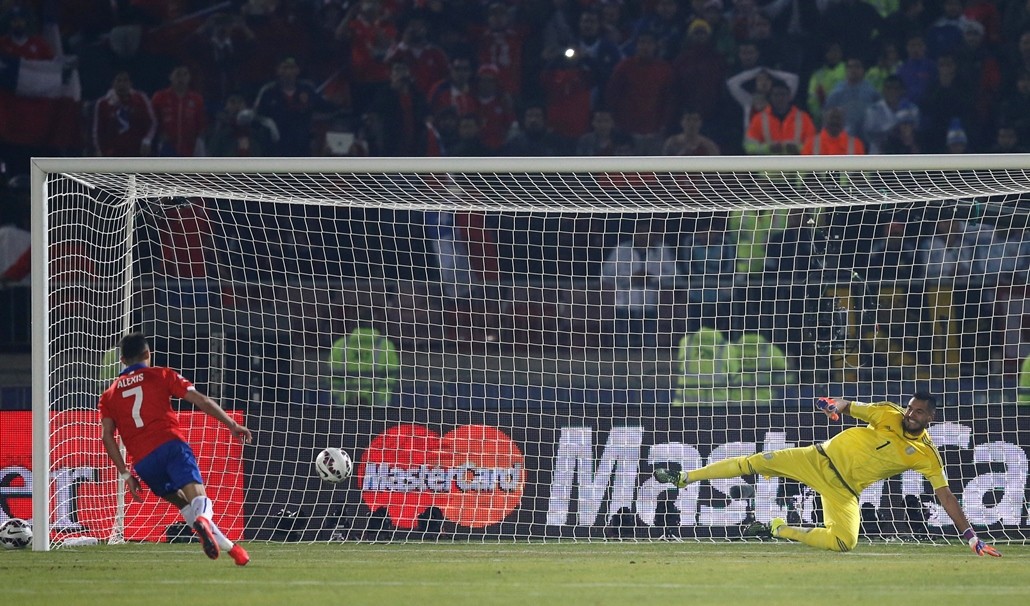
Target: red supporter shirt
{"x": 140, "y": 404}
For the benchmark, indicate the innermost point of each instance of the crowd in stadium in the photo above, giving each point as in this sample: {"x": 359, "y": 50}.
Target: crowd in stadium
{"x": 523, "y": 77}
{"x": 532, "y": 78}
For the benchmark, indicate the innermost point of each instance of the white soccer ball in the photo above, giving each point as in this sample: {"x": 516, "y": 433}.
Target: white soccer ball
{"x": 15, "y": 533}
{"x": 333, "y": 465}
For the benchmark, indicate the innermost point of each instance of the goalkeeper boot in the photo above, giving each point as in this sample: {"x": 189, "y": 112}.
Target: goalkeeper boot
{"x": 207, "y": 537}
{"x": 668, "y": 476}
{"x": 239, "y": 555}
{"x": 757, "y": 530}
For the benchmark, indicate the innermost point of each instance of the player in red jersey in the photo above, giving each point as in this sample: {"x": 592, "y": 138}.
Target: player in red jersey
{"x": 138, "y": 406}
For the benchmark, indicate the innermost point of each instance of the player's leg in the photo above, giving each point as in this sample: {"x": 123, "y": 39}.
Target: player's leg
{"x": 798, "y": 463}
{"x": 841, "y": 516}
{"x": 186, "y": 474}
{"x": 185, "y": 508}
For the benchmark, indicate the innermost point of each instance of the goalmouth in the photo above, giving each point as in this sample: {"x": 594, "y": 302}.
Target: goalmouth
{"x": 466, "y": 329}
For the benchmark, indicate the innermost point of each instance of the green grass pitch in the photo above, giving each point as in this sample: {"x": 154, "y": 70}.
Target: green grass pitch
{"x": 567, "y": 574}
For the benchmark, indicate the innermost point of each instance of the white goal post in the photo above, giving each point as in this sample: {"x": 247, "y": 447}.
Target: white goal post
{"x": 506, "y": 347}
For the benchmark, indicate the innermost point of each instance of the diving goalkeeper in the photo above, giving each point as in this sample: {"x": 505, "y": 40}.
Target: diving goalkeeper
{"x": 895, "y": 440}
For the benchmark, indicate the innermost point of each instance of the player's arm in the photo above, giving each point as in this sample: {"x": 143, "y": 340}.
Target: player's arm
{"x": 951, "y": 505}
{"x": 115, "y": 453}
{"x": 211, "y": 408}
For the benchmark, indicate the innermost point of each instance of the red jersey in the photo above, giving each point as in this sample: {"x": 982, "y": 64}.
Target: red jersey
{"x": 181, "y": 121}
{"x": 140, "y": 404}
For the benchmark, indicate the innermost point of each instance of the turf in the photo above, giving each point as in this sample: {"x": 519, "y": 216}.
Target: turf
{"x": 568, "y": 574}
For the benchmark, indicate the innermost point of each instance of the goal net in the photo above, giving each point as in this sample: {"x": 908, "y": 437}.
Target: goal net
{"x": 508, "y": 347}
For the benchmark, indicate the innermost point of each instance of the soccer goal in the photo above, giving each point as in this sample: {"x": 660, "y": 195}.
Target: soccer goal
{"x": 506, "y": 347}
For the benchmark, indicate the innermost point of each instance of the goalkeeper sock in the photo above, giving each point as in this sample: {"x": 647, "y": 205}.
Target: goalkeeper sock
{"x": 727, "y": 468}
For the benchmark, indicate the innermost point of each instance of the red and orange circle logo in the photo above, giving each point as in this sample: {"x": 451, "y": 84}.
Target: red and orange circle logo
{"x": 475, "y": 474}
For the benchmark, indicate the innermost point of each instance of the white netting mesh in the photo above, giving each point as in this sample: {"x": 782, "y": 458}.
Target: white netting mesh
{"x": 500, "y": 359}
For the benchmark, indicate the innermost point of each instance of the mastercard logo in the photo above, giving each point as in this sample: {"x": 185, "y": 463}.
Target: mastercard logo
{"x": 474, "y": 474}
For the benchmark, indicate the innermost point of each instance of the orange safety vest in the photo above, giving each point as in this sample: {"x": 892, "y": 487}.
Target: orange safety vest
{"x": 825, "y": 145}
{"x": 766, "y": 127}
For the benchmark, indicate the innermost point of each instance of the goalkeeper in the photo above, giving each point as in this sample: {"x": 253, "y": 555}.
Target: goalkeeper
{"x": 895, "y": 440}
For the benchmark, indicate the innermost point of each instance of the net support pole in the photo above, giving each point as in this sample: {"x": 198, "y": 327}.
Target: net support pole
{"x": 40, "y": 365}
{"x": 118, "y": 529}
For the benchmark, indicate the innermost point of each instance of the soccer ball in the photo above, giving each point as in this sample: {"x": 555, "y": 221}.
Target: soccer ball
{"x": 333, "y": 465}
{"x": 15, "y": 534}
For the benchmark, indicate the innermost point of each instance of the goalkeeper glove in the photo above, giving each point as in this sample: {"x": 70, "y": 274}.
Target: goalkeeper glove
{"x": 829, "y": 406}
{"x": 979, "y": 547}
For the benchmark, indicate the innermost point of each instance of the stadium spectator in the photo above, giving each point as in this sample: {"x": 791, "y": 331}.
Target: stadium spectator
{"x": 181, "y": 117}
{"x": 910, "y": 18}
{"x": 832, "y": 139}
{"x": 977, "y": 65}
{"x": 501, "y": 45}
{"x": 854, "y": 96}
{"x": 557, "y": 34}
{"x": 1007, "y": 141}
{"x": 668, "y": 25}
{"x": 401, "y": 114}
{"x": 633, "y": 275}
{"x": 470, "y": 141}
{"x": 239, "y": 131}
{"x": 441, "y": 132}
{"x": 124, "y": 123}
{"x": 841, "y": 468}
{"x": 881, "y": 117}
{"x": 781, "y": 128}
{"x": 15, "y": 255}
{"x": 596, "y": 53}
{"x": 149, "y": 429}
{"x": 185, "y": 236}
{"x": 640, "y": 95}
{"x": 456, "y": 90}
{"x": 601, "y": 140}
{"x": 532, "y": 137}
{"x": 711, "y": 12}
{"x": 917, "y": 70}
{"x": 495, "y": 107}
{"x": 944, "y": 36}
{"x": 825, "y": 78}
{"x": 709, "y": 365}
{"x": 948, "y": 259}
{"x": 39, "y": 103}
{"x": 903, "y": 137}
{"x": 945, "y": 101}
{"x": 567, "y": 84}
{"x": 614, "y": 26}
{"x": 699, "y": 61}
{"x": 892, "y": 256}
{"x": 428, "y": 62}
{"x": 1014, "y": 106}
{"x": 690, "y": 141}
{"x": 364, "y": 366}
{"x": 369, "y": 32}
{"x": 888, "y": 60}
{"x": 216, "y": 55}
{"x": 751, "y": 87}
{"x": 790, "y": 250}
{"x": 764, "y": 369}
{"x": 854, "y": 24}
{"x": 293, "y": 104}
{"x": 709, "y": 258}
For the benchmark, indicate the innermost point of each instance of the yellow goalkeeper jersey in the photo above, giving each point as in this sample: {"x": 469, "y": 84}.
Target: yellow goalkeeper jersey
{"x": 863, "y": 455}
